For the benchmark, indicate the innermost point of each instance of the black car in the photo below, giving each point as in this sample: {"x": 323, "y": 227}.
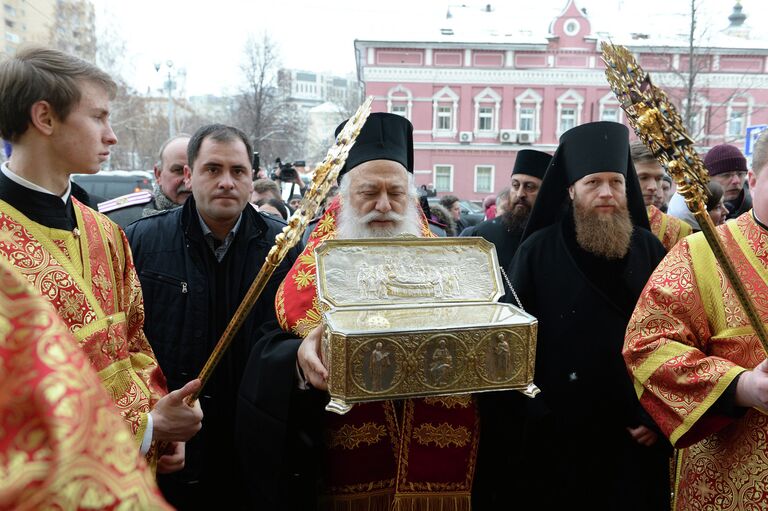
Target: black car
{"x": 109, "y": 184}
{"x": 471, "y": 213}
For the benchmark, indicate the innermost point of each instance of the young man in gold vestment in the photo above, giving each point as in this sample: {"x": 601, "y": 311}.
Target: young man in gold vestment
{"x": 667, "y": 228}
{"x": 55, "y": 113}
{"x": 699, "y": 369}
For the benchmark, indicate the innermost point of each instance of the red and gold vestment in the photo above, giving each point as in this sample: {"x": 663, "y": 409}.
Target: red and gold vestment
{"x": 410, "y": 454}
{"x": 62, "y": 446}
{"x": 667, "y": 228}
{"x": 687, "y": 341}
{"x": 89, "y": 278}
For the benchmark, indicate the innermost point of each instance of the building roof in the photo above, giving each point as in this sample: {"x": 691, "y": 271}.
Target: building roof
{"x": 506, "y": 25}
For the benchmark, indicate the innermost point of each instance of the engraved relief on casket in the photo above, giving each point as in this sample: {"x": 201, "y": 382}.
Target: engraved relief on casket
{"x": 441, "y": 360}
{"x": 500, "y": 356}
{"x": 376, "y": 365}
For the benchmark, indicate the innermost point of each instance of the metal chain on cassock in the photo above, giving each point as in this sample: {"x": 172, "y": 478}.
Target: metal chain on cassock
{"x": 325, "y": 176}
{"x": 514, "y": 293}
{"x": 657, "y": 123}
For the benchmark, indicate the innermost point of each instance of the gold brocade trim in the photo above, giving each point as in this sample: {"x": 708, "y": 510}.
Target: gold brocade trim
{"x": 444, "y": 501}
{"x": 100, "y": 324}
{"x": 380, "y": 500}
{"x": 84, "y": 247}
{"x": 708, "y": 401}
{"x": 747, "y": 251}
{"x": 663, "y": 227}
{"x": 706, "y": 271}
{"x": 658, "y": 358}
{"x": 350, "y": 436}
{"x": 734, "y": 332}
{"x": 443, "y": 435}
{"x": 639, "y": 389}
{"x": 456, "y": 400}
{"x": 38, "y": 236}
{"x": 280, "y": 306}
{"x": 105, "y": 243}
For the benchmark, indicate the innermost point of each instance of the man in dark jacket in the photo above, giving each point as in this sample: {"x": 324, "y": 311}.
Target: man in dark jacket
{"x": 195, "y": 264}
{"x": 728, "y": 167}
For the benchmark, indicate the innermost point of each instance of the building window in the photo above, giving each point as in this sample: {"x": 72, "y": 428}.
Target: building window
{"x": 528, "y": 111}
{"x": 736, "y": 124}
{"x": 571, "y": 27}
{"x": 9, "y": 23}
{"x": 484, "y": 179}
{"x": 445, "y": 108}
{"x": 444, "y": 118}
{"x": 610, "y": 114}
{"x": 400, "y": 109}
{"x": 9, "y": 10}
{"x": 12, "y": 37}
{"x": 485, "y": 118}
{"x": 527, "y": 119}
{"x": 400, "y": 101}
{"x": 443, "y": 178}
{"x": 567, "y": 119}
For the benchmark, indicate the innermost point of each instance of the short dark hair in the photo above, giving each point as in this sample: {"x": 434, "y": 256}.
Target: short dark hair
{"x": 219, "y": 133}
{"x": 447, "y": 201}
{"x": 640, "y": 153}
{"x": 43, "y": 74}
{"x": 277, "y": 204}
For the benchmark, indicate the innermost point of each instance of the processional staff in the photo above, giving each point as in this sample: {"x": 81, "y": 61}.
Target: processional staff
{"x": 325, "y": 176}
{"x": 659, "y": 126}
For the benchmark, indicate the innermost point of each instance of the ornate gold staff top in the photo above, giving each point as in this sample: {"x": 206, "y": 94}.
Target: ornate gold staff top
{"x": 325, "y": 176}
{"x": 660, "y": 127}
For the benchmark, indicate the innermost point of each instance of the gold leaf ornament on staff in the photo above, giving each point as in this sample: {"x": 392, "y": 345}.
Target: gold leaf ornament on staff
{"x": 325, "y": 176}
{"x": 658, "y": 124}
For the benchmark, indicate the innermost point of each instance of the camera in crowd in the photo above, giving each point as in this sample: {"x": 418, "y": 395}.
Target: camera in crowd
{"x": 286, "y": 172}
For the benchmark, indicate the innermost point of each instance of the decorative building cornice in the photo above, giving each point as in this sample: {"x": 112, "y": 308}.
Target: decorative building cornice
{"x": 544, "y": 77}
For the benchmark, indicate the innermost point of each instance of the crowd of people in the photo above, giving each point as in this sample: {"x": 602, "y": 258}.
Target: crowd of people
{"x": 654, "y": 386}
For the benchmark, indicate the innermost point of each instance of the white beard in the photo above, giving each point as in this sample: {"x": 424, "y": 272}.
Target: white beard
{"x": 350, "y": 224}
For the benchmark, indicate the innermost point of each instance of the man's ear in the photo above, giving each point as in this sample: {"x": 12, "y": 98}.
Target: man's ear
{"x": 157, "y": 170}
{"x": 571, "y": 192}
{"x": 187, "y": 176}
{"x": 42, "y": 117}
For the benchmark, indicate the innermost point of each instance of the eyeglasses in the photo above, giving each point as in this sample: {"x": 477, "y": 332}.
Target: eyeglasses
{"x": 730, "y": 175}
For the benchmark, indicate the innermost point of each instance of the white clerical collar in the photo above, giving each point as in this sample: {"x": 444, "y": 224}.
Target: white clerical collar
{"x": 32, "y": 186}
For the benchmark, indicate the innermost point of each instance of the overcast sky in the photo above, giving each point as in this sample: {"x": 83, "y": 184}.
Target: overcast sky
{"x": 206, "y": 38}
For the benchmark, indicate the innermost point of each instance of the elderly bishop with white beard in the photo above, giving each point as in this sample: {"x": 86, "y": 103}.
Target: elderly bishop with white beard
{"x": 297, "y": 456}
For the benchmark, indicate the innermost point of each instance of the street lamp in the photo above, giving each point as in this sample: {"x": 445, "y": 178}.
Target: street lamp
{"x": 169, "y": 86}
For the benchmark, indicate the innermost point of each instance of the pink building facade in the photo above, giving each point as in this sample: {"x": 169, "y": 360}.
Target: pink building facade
{"x": 475, "y": 104}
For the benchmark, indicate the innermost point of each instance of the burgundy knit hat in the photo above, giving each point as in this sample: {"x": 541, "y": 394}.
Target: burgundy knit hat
{"x": 725, "y": 158}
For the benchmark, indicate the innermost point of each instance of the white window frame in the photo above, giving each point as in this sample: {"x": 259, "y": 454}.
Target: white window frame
{"x": 569, "y": 99}
{"x": 450, "y": 179}
{"x": 485, "y": 116}
{"x": 610, "y": 101}
{"x": 441, "y": 98}
{"x": 400, "y": 95}
{"x": 742, "y": 103}
{"x": 492, "y": 181}
{"x": 529, "y": 98}
{"x": 485, "y": 98}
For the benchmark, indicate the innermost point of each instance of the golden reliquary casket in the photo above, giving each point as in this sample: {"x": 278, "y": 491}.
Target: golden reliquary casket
{"x": 413, "y": 317}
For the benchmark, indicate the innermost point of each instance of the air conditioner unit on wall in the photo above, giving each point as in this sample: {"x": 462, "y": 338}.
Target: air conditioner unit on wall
{"x": 525, "y": 137}
{"x": 465, "y": 137}
{"x": 508, "y": 136}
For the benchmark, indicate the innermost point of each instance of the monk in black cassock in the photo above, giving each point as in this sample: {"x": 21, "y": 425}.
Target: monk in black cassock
{"x": 587, "y": 253}
{"x": 506, "y": 230}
